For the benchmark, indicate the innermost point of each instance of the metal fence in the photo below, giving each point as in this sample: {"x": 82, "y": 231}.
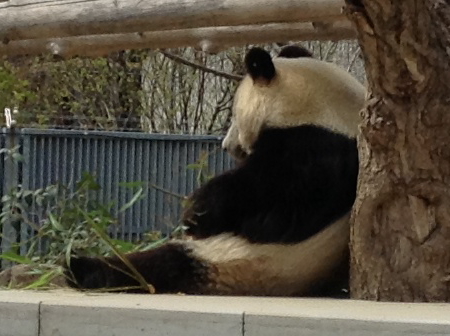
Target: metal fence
{"x": 62, "y": 156}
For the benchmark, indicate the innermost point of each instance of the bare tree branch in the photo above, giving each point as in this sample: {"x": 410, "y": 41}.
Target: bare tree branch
{"x": 200, "y": 67}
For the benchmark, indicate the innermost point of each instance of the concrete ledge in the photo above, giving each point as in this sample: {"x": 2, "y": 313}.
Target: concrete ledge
{"x": 66, "y": 313}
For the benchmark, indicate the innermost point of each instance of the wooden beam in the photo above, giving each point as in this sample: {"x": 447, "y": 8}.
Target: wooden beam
{"x": 38, "y": 19}
{"x": 211, "y": 39}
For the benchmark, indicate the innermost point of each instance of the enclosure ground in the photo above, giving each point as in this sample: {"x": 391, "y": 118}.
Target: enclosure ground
{"x": 67, "y": 313}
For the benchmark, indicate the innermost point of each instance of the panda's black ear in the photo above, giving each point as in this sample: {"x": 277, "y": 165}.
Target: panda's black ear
{"x": 294, "y": 51}
{"x": 259, "y": 64}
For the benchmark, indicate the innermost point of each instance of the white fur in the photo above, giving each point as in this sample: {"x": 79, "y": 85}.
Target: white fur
{"x": 244, "y": 268}
{"x": 304, "y": 91}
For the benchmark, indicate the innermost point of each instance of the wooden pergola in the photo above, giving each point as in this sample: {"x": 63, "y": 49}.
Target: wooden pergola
{"x": 68, "y": 28}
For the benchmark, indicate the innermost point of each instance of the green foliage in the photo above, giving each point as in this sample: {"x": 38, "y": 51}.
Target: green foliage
{"x": 138, "y": 90}
{"x": 13, "y": 90}
{"x": 62, "y": 229}
{"x": 73, "y": 222}
{"x": 201, "y": 166}
{"x": 12, "y": 154}
{"x": 80, "y": 93}
{"x": 203, "y": 175}
{"x": 14, "y": 257}
{"x": 45, "y": 277}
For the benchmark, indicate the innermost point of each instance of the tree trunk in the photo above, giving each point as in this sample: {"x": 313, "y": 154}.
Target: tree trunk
{"x": 400, "y": 239}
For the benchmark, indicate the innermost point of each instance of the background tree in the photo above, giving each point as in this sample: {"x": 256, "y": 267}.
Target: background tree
{"x": 400, "y": 240}
{"x": 176, "y": 91}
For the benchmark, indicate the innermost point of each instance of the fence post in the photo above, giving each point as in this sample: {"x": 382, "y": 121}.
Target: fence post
{"x": 10, "y": 180}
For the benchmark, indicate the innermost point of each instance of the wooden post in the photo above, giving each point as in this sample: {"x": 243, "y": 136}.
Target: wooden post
{"x": 210, "y": 39}
{"x": 33, "y": 19}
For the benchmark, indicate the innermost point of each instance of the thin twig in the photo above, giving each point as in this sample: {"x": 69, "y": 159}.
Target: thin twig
{"x": 168, "y": 192}
{"x": 200, "y": 67}
{"x": 352, "y": 61}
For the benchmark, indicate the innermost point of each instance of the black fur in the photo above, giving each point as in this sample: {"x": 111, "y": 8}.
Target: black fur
{"x": 294, "y": 51}
{"x": 169, "y": 268}
{"x": 259, "y": 64}
{"x": 295, "y": 183}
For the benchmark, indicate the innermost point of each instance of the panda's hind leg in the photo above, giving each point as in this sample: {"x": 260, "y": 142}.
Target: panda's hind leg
{"x": 169, "y": 269}
{"x": 223, "y": 264}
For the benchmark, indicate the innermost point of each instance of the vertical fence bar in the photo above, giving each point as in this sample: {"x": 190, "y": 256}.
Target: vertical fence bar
{"x": 25, "y": 230}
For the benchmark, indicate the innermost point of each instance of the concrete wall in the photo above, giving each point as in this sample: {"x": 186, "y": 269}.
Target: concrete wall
{"x": 65, "y": 313}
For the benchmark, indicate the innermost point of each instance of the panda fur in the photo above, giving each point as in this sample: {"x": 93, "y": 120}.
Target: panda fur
{"x": 278, "y": 223}
{"x": 293, "y": 51}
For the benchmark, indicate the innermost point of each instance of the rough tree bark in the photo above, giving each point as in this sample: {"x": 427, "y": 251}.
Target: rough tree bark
{"x": 400, "y": 240}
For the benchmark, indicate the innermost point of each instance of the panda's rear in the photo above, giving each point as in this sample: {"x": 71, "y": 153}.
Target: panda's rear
{"x": 278, "y": 223}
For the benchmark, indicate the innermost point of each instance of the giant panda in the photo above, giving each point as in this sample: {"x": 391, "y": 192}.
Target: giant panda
{"x": 278, "y": 223}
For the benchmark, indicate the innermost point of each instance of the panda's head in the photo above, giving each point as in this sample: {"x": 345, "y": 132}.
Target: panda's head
{"x": 290, "y": 90}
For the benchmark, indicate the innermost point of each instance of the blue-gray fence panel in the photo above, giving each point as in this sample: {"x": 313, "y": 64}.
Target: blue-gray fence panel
{"x": 62, "y": 156}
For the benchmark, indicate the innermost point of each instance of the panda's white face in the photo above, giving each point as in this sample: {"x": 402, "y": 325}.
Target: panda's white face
{"x": 231, "y": 143}
{"x": 303, "y": 91}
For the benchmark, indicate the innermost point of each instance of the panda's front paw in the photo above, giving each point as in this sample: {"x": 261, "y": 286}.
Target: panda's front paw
{"x": 85, "y": 273}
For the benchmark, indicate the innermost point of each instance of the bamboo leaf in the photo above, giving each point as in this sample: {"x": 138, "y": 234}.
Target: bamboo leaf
{"x": 136, "y": 197}
{"x": 104, "y": 236}
{"x": 43, "y": 280}
{"x": 54, "y": 222}
{"x": 134, "y": 184}
{"x": 12, "y": 256}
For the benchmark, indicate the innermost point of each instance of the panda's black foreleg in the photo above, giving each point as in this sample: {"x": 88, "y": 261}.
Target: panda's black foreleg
{"x": 220, "y": 204}
{"x": 169, "y": 269}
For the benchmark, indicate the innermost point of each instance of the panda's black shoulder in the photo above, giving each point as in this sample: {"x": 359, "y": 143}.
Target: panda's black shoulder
{"x": 294, "y": 51}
